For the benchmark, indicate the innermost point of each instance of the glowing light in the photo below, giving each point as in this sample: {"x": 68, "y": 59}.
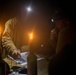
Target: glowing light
{"x": 31, "y": 36}
{"x": 52, "y": 20}
{"x": 29, "y": 9}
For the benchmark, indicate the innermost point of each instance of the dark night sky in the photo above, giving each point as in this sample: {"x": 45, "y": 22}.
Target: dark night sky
{"x": 43, "y": 11}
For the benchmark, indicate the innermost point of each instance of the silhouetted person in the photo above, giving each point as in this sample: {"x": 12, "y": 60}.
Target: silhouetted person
{"x": 64, "y": 60}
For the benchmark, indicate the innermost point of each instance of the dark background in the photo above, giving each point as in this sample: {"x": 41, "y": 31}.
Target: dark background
{"x": 40, "y": 18}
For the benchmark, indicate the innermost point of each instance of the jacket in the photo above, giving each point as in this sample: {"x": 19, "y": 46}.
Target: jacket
{"x": 14, "y": 36}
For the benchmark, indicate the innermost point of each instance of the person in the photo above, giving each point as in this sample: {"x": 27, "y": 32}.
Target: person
{"x": 14, "y": 35}
{"x": 60, "y": 22}
{"x": 65, "y": 49}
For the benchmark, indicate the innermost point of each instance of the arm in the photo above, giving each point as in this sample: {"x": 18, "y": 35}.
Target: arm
{"x": 53, "y": 38}
{"x": 7, "y": 37}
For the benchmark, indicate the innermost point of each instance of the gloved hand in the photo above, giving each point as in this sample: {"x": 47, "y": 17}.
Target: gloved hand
{"x": 53, "y": 34}
{"x": 15, "y": 54}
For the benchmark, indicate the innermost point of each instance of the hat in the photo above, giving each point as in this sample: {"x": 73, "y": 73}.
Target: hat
{"x": 60, "y": 15}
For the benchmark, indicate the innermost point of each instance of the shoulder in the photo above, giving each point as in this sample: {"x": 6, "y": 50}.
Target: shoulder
{"x": 68, "y": 31}
{"x": 12, "y": 20}
{"x": 67, "y": 35}
{"x": 64, "y": 30}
